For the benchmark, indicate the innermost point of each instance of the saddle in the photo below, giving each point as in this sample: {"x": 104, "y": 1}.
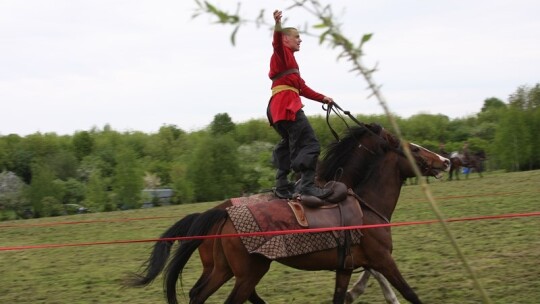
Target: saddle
{"x": 341, "y": 208}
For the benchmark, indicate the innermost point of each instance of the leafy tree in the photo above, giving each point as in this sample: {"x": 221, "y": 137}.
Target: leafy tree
{"x": 256, "y": 166}
{"x": 89, "y": 164}
{"x": 136, "y": 141}
{"x": 96, "y": 197}
{"x": 488, "y": 118}
{"x": 42, "y": 185}
{"x": 16, "y": 157}
{"x": 222, "y": 124}
{"x": 214, "y": 169}
{"x": 63, "y": 163}
{"x": 255, "y": 130}
{"x": 74, "y": 191}
{"x": 458, "y": 130}
{"x": 525, "y": 98}
{"x": 106, "y": 145}
{"x": 127, "y": 180}
{"x": 492, "y": 104}
{"x": 182, "y": 186}
{"x": 512, "y": 140}
{"x": 51, "y": 206}
{"x": 83, "y": 144}
{"x": 162, "y": 149}
{"x": 420, "y": 126}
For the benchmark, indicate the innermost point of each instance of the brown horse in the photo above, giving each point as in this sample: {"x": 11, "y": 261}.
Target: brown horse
{"x": 377, "y": 178}
{"x": 161, "y": 251}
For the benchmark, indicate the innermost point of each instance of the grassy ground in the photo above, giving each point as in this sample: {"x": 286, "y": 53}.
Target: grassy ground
{"x": 503, "y": 252}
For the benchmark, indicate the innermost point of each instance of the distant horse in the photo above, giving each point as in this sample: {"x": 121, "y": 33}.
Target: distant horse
{"x": 474, "y": 162}
{"x": 377, "y": 178}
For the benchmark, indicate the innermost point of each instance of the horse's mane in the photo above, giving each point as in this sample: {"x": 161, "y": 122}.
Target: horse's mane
{"x": 338, "y": 154}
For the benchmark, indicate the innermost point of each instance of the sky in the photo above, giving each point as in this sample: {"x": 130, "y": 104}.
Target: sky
{"x": 136, "y": 65}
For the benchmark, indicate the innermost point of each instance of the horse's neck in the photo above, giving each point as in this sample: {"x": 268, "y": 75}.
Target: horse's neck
{"x": 382, "y": 192}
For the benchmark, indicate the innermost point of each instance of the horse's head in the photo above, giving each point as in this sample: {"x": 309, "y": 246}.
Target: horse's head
{"x": 364, "y": 147}
{"x": 371, "y": 161}
{"x": 429, "y": 162}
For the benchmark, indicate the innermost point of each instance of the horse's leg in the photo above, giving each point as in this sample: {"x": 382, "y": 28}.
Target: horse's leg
{"x": 388, "y": 268}
{"x": 377, "y": 248}
{"x": 220, "y": 274}
{"x": 343, "y": 277}
{"x": 358, "y": 288}
{"x": 389, "y": 294}
{"x": 248, "y": 269}
{"x": 479, "y": 168}
{"x": 247, "y": 278}
{"x": 207, "y": 261}
{"x": 255, "y": 299}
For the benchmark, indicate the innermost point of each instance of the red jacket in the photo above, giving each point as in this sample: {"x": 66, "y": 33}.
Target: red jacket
{"x": 285, "y": 104}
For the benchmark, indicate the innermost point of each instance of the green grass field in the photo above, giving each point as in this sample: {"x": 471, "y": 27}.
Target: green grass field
{"x": 503, "y": 252}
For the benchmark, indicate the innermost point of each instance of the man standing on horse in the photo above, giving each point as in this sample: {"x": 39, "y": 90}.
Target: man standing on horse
{"x": 298, "y": 148}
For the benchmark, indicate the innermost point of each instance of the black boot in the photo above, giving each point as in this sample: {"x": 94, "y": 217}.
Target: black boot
{"x": 284, "y": 188}
{"x": 307, "y": 185}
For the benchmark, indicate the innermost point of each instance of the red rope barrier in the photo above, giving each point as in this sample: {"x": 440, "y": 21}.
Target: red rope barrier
{"x": 489, "y": 217}
{"x": 88, "y": 222}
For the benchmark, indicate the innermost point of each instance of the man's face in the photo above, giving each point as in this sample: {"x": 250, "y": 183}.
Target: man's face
{"x": 292, "y": 40}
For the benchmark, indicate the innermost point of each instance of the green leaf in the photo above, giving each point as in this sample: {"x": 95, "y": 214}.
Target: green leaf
{"x": 366, "y": 38}
{"x": 211, "y": 8}
{"x": 233, "y": 35}
{"x": 318, "y": 26}
{"x": 323, "y": 36}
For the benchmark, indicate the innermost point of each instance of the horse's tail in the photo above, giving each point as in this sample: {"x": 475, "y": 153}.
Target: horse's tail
{"x": 160, "y": 253}
{"x": 202, "y": 226}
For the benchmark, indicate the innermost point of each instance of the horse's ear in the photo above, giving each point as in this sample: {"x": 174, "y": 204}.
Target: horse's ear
{"x": 375, "y": 128}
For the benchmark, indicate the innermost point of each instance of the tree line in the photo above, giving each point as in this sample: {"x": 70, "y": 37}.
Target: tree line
{"x": 107, "y": 170}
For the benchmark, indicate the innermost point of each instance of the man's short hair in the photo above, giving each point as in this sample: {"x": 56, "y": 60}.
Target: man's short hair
{"x": 289, "y": 31}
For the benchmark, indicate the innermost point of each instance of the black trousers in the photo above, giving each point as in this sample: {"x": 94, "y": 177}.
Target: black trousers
{"x": 298, "y": 148}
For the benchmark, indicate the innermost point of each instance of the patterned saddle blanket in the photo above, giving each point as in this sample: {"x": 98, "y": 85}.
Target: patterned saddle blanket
{"x": 258, "y": 215}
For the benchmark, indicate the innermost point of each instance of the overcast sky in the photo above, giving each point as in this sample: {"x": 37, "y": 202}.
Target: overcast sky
{"x": 69, "y": 65}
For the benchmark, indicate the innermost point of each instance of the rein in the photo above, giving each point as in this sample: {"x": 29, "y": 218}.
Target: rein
{"x": 332, "y": 108}
{"x": 368, "y": 206}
